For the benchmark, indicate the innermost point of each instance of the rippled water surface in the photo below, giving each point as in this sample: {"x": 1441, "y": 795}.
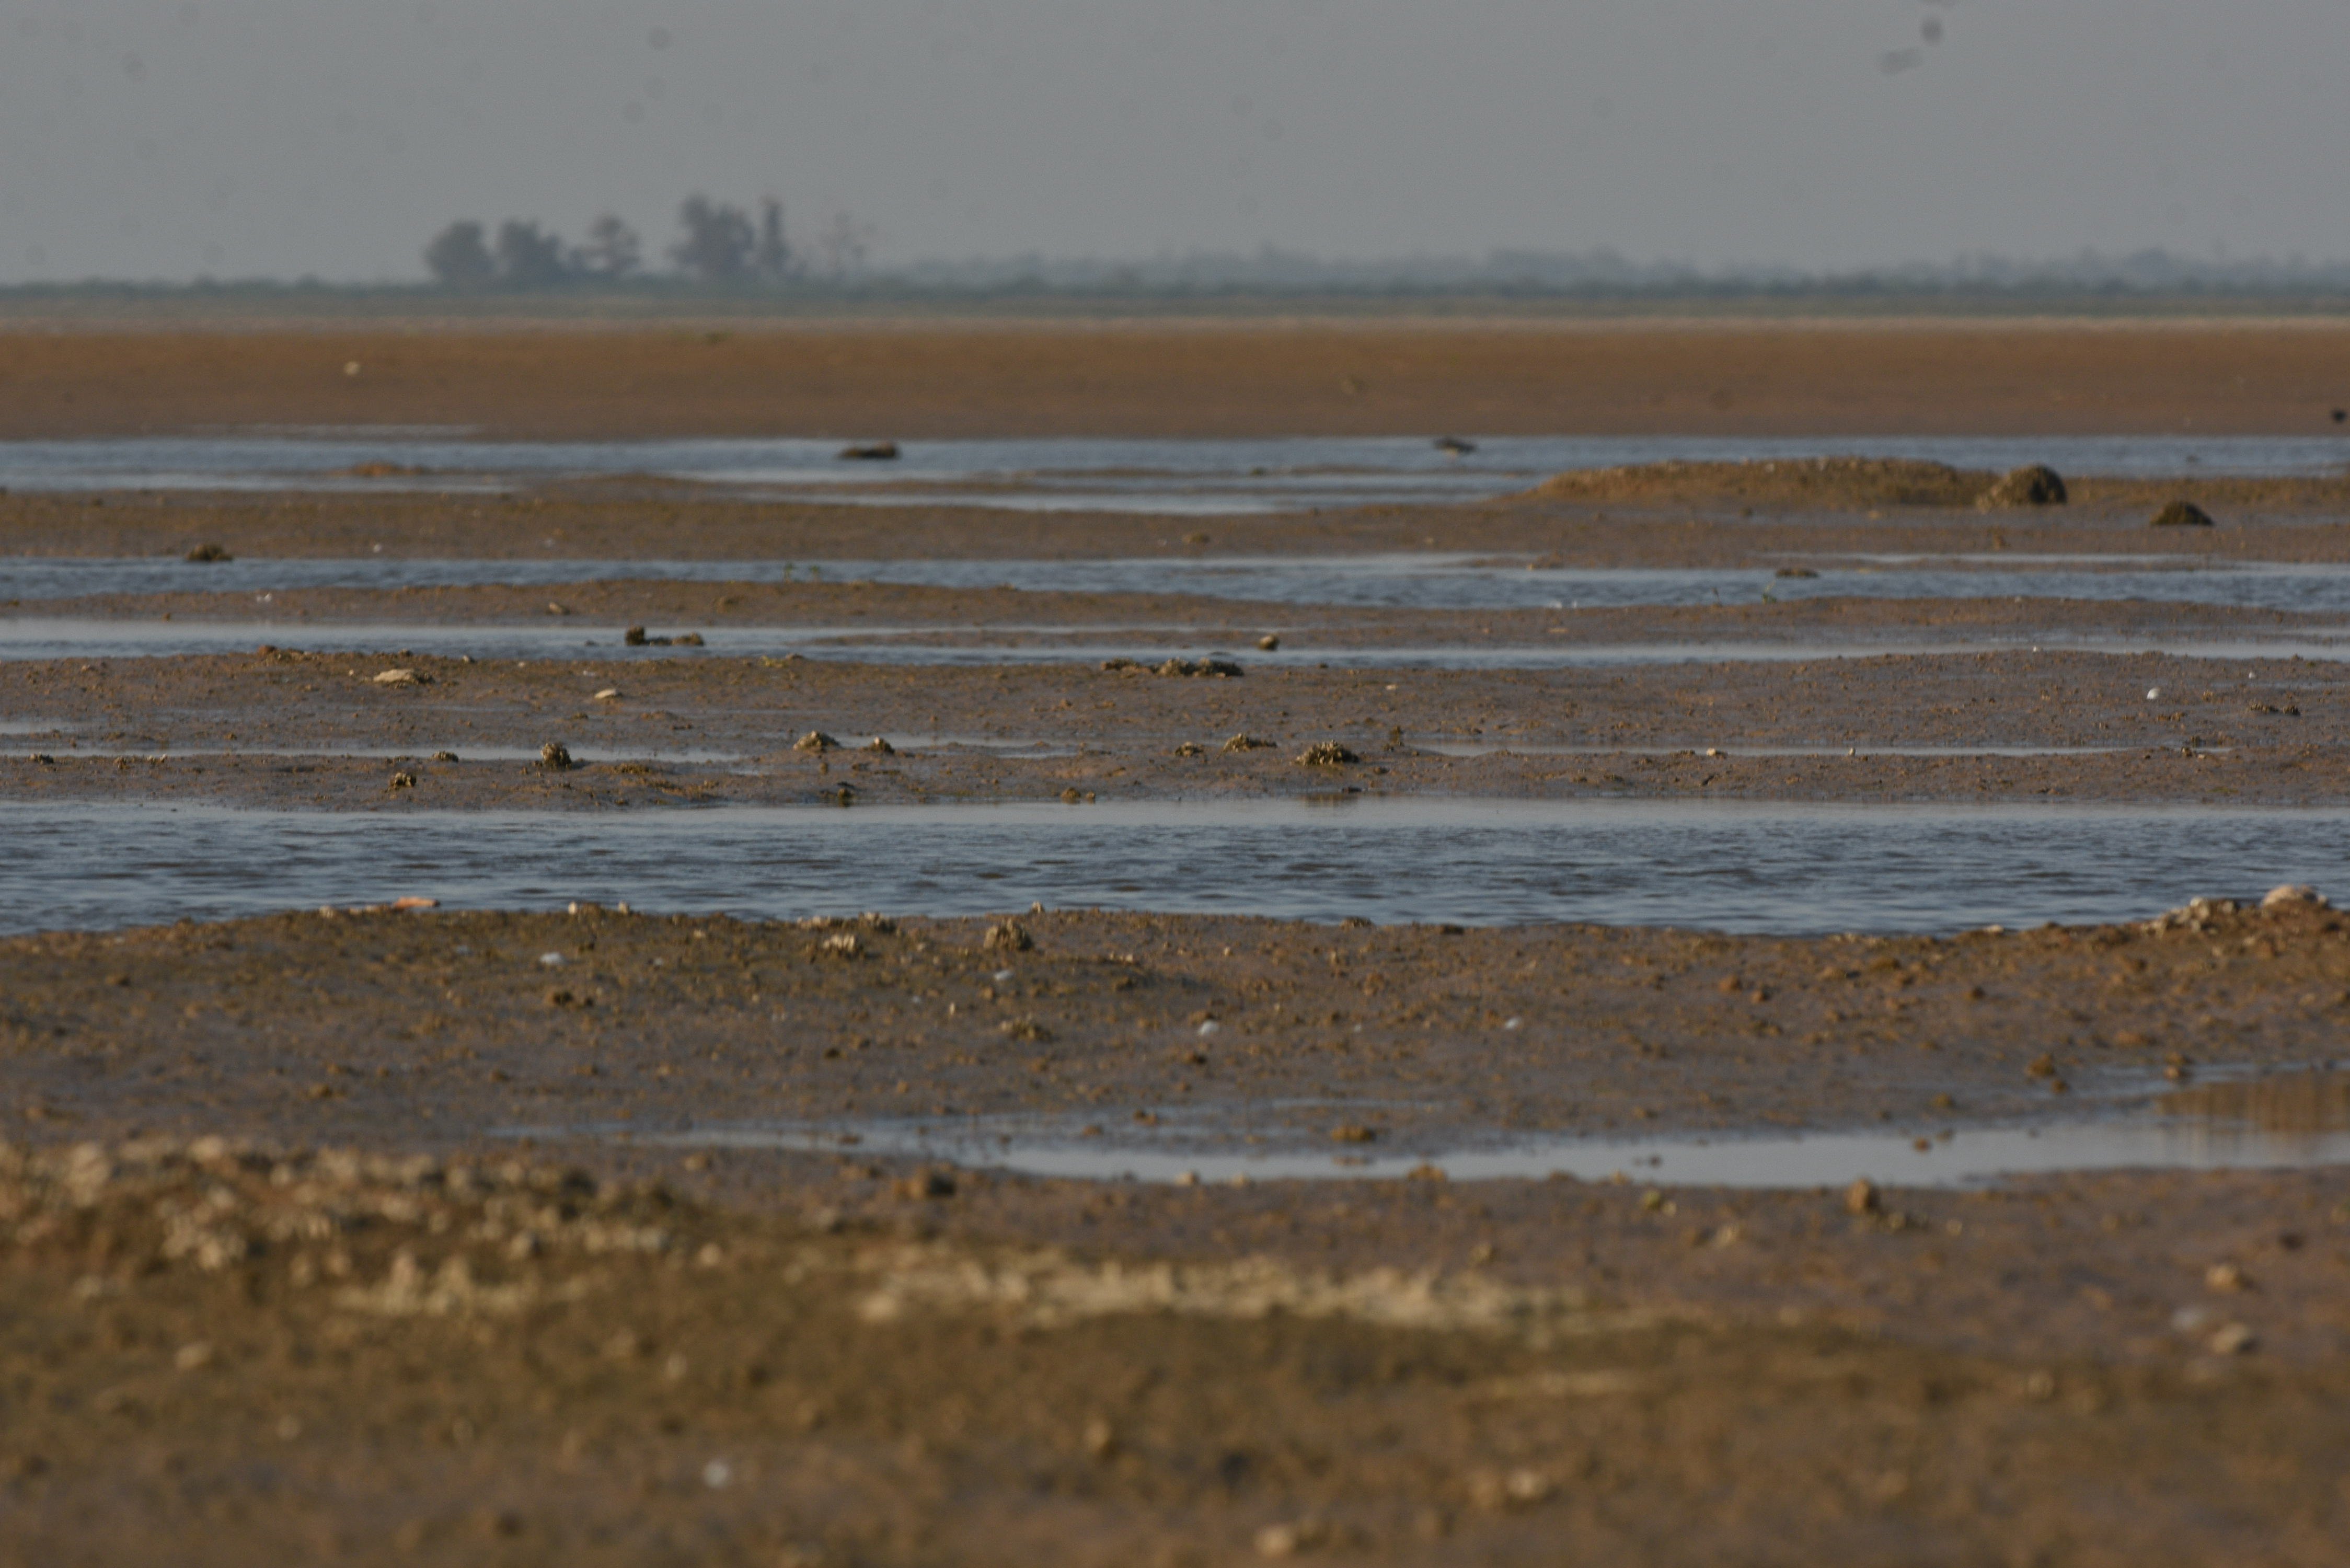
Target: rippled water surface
{"x": 1430, "y": 581}
{"x": 1734, "y": 866}
{"x": 2287, "y": 1122}
{"x": 33, "y": 637}
{"x": 1202, "y": 477}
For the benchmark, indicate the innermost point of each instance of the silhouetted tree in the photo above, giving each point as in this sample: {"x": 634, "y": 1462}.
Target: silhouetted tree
{"x": 529, "y": 257}
{"x": 771, "y": 258}
{"x": 719, "y": 241}
{"x": 844, "y": 244}
{"x": 458, "y": 258}
{"x": 611, "y": 250}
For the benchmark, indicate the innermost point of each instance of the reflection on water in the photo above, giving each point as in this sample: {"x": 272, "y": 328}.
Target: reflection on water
{"x": 1430, "y": 581}
{"x": 1742, "y": 867}
{"x": 2311, "y": 1105}
{"x": 1181, "y": 475}
{"x": 2295, "y": 1122}
{"x": 27, "y": 637}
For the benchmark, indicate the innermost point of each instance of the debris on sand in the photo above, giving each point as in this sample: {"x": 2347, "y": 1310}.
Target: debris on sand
{"x": 816, "y": 741}
{"x": 554, "y": 756}
{"x": 403, "y": 678}
{"x": 1196, "y": 669}
{"x": 2181, "y": 515}
{"x": 608, "y": 694}
{"x": 2033, "y": 485}
{"x": 1248, "y": 744}
{"x": 1011, "y": 936}
{"x": 209, "y": 552}
{"x": 1325, "y": 755}
{"x": 869, "y": 452}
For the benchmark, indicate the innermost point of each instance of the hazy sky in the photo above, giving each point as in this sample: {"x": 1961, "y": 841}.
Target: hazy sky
{"x": 163, "y": 139}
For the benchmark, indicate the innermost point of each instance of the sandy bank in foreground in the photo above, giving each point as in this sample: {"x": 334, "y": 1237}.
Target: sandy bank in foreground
{"x": 221, "y": 1351}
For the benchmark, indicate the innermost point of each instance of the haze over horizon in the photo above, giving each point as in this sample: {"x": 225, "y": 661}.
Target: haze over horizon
{"x": 173, "y": 138}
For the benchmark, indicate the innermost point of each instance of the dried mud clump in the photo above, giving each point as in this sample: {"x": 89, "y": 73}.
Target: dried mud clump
{"x": 1824, "y": 481}
{"x": 2034, "y": 484}
{"x": 1325, "y": 755}
{"x": 1195, "y": 669}
{"x": 2181, "y": 515}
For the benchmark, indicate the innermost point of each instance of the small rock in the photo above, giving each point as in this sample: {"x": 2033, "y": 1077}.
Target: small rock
{"x": 401, "y": 677}
{"x": 1268, "y": 642}
{"x": 554, "y": 756}
{"x": 1289, "y": 1540}
{"x": 2227, "y": 1277}
{"x": 2181, "y": 515}
{"x": 2293, "y": 895}
{"x": 1861, "y": 1197}
{"x": 927, "y": 1184}
{"x": 2232, "y": 1339}
{"x": 1324, "y": 754}
{"x": 879, "y": 745}
{"x": 206, "y": 554}
{"x": 634, "y": 636}
{"x": 816, "y": 741}
{"x": 2034, "y": 484}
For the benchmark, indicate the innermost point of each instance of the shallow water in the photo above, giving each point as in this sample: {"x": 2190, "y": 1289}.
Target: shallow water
{"x": 1740, "y": 867}
{"x": 1196, "y": 477}
{"x": 2287, "y": 1122}
{"x": 1430, "y": 581}
{"x": 39, "y": 638}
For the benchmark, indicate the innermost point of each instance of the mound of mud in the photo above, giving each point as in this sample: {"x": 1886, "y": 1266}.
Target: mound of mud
{"x": 2034, "y": 484}
{"x": 1828, "y": 483}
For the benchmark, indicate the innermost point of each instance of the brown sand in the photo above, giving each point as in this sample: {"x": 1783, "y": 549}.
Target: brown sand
{"x": 1196, "y": 380}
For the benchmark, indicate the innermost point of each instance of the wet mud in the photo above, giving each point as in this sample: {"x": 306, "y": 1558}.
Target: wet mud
{"x": 377, "y": 1234}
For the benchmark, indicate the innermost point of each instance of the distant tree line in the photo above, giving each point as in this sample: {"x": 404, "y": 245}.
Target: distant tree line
{"x": 717, "y": 243}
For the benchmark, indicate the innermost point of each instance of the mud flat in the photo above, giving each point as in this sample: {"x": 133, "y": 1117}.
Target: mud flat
{"x": 438, "y": 1337}
{"x": 1195, "y": 378}
{"x": 1780, "y": 1208}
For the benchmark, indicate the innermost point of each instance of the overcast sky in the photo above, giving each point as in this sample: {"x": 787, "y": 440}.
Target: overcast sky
{"x": 168, "y": 140}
